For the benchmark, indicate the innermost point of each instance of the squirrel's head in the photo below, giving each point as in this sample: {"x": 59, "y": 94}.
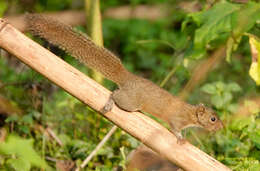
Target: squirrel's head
{"x": 207, "y": 118}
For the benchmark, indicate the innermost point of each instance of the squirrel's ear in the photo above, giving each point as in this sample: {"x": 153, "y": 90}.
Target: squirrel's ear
{"x": 200, "y": 109}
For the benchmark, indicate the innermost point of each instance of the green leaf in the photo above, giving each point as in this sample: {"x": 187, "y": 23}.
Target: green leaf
{"x": 233, "y": 87}
{"x": 23, "y": 150}
{"x": 245, "y": 18}
{"x": 232, "y": 108}
{"x": 217, "y": 101}
{"x": 220, "y": 86}
{"x": 12, "y": 118}
{"x": 255, "y": 137}
{"x": 240, "y": 123}
{"x": 25, "y": 129}
{"x": 254, "y": 70}
{"x": 209, "y": 88}
{"x": 196, "y": 53}
{"x": 19, "y": 164}
{"x": 224, "y": 19}
{"x": 215, "y": 21}
{"x": 243, "y": 21}
{"x": 227, "y": 97}
{"x": 27, "y": 119}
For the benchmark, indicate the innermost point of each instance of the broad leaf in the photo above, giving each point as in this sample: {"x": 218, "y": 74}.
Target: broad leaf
{"x": 255, "y": 137}
{"x": 19, "y": 164}
{"x": 240, "y": 123}
{"x": 223, "y": 20}
{"x": 217, "y": 20}
{"x": 217, "y": 101}
{"x": 243, "y": 20}
{"x": 209, "y": 88}
{"x": 233, "y": 87}
{"x": 24, "y": 152}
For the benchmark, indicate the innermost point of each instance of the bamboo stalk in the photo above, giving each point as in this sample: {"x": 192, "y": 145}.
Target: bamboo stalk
{"x": 91, "y": 93}
{"x": 94, "y": 29}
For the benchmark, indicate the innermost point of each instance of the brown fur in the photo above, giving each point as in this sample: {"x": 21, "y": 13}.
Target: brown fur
{"x": 134, "y": 93}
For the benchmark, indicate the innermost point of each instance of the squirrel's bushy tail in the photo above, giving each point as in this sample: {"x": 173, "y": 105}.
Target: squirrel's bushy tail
{"x": 78, "y": 45}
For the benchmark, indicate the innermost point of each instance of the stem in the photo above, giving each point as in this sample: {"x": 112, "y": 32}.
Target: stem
{"x": 94, "y": 28}
{"x": 104, "y": 140}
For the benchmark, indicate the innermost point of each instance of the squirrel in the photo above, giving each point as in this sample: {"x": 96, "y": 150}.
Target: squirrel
{"x": 135, "y": 93}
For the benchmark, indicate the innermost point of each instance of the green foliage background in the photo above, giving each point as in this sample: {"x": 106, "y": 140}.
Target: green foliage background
{"x": 151, "y": 49}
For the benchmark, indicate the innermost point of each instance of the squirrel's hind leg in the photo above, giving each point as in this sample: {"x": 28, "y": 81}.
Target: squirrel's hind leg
{"x": 124, "y": 101}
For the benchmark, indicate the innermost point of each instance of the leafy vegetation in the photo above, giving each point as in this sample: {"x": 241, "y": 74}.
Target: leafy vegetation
{"x": 153, "y": 49}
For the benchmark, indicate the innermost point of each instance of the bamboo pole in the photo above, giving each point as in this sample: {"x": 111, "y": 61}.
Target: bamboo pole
{"x": 91, "y": 93}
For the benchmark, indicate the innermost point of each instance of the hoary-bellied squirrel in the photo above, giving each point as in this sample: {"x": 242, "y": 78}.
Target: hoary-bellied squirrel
{"x": 135, "y": 93}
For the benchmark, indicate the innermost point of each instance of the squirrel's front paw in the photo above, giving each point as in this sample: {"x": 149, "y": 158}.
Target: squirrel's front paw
{"x": 181, "y": 140}
{"x": 108, "y": 106}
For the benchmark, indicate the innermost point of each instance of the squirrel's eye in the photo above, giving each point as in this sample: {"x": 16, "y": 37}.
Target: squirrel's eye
{"x": 213, "y": 119}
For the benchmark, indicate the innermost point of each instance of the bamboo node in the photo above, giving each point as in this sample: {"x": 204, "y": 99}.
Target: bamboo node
{"x": 3, "y": 23}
